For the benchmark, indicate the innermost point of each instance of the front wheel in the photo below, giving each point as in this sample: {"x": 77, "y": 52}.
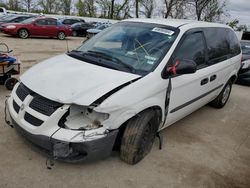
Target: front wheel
{"x": 138, "y": 137}
{"x": 23, "y": 33}
{"x": 222, "y": 98}
{"x": 61, "y": 35}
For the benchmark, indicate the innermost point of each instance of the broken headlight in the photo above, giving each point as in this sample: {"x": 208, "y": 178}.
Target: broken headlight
{"x": 83, "y": 118}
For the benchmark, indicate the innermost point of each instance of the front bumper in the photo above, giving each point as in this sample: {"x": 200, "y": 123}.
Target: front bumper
{"x": 59, "y": 143}
{"x": 71, "y": 152}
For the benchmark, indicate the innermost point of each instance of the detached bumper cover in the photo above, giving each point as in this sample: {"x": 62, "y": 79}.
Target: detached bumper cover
{"x": 71, "y": 152}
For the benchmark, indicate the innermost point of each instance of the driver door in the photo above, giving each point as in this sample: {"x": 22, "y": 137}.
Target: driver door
{"x": 189, "y": 91}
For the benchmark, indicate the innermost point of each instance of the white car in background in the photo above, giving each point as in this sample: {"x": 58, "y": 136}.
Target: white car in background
{"x": 93, "y": 31}
{"x": 2, "y": 11}
{"x": 123, "y": 86}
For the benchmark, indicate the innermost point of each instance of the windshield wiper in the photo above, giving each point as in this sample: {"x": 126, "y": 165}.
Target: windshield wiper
{"x": 113, "y": 59}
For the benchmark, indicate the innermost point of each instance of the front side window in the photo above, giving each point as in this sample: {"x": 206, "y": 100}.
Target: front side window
{"x": 129, "y": 46}
{"x": 41, "y": 22}
{"x": 192, "y": 48}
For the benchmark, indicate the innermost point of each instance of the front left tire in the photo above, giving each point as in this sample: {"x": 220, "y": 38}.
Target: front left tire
{"x": 139, "y": 136}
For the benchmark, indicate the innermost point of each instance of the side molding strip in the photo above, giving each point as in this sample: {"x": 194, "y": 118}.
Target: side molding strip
{"x": 195, "y": 99}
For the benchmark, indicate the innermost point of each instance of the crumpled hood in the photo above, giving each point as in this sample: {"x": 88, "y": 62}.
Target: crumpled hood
{"x": 68, "y": 80}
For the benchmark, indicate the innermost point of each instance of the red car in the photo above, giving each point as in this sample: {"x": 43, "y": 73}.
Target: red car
{"x": 41, "y": 26}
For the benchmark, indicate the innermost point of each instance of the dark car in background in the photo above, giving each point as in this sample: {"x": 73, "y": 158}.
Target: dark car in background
{"x": 41, "y": 26}
{"x": 244, "y": 73}
{"x": 15, "y": 19}
{"x": 80, "y": 28}
{"x": 71, "y": 21}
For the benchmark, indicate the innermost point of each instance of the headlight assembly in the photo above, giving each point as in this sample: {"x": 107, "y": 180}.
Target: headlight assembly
{"x": 84, "y": 118}
{"x": 11, "y": 27}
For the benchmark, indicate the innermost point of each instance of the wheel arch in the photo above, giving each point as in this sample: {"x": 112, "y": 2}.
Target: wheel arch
{"x": 121, "y": 129}
{"x": 233, "y": 78}
{"x": 23, "y": 28}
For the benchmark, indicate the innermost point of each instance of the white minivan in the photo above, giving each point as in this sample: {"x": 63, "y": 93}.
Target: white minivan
{"x": 121, "y": 87}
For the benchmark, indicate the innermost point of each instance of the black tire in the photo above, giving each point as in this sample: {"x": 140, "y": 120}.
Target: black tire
{"x": 10, "y": 83}
{"x": 23, "y": 33}
{"x": 61, "y": 35}
{"x": 221, "y": 100}
{"x": 138, "y": 137}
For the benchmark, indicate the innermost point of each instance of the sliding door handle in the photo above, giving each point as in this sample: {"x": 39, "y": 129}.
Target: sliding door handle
{"x": 212, "y": 78}
{"x": 204, "y": 81}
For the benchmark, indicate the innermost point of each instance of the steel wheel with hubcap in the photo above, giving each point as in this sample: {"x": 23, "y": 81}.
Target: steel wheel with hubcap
{"x": 23, "y": 33}
{"x": 221, "y": 100}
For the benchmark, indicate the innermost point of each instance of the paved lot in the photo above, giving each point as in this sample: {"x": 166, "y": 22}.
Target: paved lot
{"x": 209, "y": 148}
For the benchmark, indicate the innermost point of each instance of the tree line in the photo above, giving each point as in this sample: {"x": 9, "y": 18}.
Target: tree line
{"x": 206, "y": 10}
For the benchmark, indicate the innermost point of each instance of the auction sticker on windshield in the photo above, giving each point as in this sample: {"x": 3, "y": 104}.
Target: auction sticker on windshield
{"x": 163, "y": 31}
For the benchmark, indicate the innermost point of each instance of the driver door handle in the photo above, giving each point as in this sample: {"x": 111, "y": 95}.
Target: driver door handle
{"x": 204, "y": 81}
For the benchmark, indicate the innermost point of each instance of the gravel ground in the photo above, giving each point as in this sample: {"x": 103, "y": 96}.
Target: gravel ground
{"x": 209, "y": 148}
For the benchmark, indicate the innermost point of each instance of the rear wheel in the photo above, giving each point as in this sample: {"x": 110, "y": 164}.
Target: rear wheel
{"x": 61, "y": 35}
{"x": 138, "y": 137}
{"x": 23, "y": 33}
{"x": 222, "y": 98}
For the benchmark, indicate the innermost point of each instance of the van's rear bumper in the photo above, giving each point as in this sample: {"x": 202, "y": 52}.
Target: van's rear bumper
{"x": 71, "y": 152}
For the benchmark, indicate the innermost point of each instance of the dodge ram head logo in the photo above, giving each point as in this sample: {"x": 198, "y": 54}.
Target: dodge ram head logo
{"x": 22, "y": 107}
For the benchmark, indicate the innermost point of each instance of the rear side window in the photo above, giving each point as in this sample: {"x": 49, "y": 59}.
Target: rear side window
{"x": 222, "y": 44}
{"x": 234, "y": 43}
{"x": 66, "y": 21}
{"x": 192, "y": 48}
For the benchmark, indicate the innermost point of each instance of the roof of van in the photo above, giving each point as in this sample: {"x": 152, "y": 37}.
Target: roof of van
{"x": 175, "y": 22}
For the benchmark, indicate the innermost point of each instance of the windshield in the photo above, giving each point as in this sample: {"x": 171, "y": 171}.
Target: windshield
{"x": 10, "y": 18}
{"x": 101, "y": 27}
{"x": 130, "y": 46}
{"x": 245, "y": 46}
{"x": 28, "y": 21}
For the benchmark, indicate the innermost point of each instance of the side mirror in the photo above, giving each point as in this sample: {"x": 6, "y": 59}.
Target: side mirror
{"x": 182, "y": 66}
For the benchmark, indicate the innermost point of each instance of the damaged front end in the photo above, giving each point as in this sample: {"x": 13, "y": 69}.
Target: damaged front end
{"x": 71, "y": 133}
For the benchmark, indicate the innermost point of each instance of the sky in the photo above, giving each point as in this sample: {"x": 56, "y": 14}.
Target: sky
{"x": 239, "y": 9}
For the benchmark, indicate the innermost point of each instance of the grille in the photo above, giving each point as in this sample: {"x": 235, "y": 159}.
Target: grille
{"x": 22, "y": 92}
{"x": 16, "y": 107}
{"x": 44, "y": 106}
{"x": 32, "y": 120}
